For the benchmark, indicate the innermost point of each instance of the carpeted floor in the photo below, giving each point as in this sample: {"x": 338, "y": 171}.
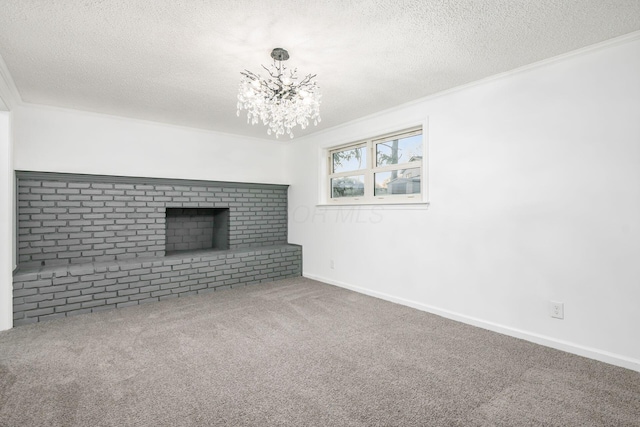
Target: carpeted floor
{"x": 296, "y": 353}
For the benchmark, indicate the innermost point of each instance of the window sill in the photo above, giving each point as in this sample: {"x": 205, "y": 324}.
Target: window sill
{"x": 380, "y": 206}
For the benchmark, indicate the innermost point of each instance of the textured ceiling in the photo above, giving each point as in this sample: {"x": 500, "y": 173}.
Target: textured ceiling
{"x": 178, "y": 61}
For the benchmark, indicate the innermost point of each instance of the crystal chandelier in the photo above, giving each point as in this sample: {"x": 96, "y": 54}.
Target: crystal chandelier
{"x": 280, "y": 101}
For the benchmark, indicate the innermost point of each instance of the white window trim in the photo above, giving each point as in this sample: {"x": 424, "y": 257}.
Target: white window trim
{"x": 414, "y": 200}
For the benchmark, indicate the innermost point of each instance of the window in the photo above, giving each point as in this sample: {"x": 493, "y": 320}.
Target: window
{"x": 385, "y": 169}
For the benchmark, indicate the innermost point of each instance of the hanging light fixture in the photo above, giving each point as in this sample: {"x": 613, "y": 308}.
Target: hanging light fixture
{"x": 280, "y": 101}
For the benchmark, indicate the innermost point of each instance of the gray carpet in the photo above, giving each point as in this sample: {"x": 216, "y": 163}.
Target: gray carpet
{"x": 296, "y": 353}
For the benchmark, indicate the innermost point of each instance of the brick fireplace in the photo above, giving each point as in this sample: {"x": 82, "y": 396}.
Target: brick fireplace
{"x": 193, "y": 229}
{"x": 89, "y": 243}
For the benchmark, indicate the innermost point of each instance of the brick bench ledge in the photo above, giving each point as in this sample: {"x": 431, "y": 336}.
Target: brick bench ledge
{"x": 49, "y": 292}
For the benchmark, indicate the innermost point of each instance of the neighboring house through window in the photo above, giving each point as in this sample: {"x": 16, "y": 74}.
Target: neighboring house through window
{"x": 386, "y": 169}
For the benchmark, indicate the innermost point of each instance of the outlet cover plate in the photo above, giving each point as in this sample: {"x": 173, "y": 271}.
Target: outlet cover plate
{"x": 557, "y": 310}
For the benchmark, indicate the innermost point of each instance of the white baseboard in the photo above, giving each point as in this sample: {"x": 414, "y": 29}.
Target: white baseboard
{"x": 569, "y": 347}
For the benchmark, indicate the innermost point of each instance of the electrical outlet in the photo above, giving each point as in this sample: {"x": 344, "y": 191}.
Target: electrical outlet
{"x": 557, "y": 310}
{"x": 331, "y": 264}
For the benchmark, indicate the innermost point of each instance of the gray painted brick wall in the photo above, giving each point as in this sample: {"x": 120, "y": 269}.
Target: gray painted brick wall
{"x": 91, "y": 243}
{"x": 68, "y": 219}
{"x": 189, "y": 229}
{"x": 52, "y": 292}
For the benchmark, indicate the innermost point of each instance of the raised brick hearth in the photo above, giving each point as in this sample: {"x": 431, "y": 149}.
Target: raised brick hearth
{"x": 89, "y": 243}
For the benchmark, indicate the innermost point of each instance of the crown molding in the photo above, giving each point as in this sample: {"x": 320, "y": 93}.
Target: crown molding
{"x": 627, "y": 38}
{"x": 9, "y": 95}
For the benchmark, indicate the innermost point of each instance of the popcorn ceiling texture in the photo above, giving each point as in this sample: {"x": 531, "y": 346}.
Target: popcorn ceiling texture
{"x": 178, "y": 61}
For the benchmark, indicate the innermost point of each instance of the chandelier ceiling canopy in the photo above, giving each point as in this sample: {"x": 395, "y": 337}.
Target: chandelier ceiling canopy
{"x": 282, "y": 100}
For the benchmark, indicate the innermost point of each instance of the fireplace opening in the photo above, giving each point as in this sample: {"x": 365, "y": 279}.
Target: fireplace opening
{"x": 196, "y": 229}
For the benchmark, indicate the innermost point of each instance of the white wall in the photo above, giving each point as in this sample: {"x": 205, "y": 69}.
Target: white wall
{"x": 6, "y": 223}
{"x": 535, "y": 196}
{"x": 59, "y": 140}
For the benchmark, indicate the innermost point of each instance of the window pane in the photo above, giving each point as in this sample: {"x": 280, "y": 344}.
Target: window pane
{"x": 402, "y": 181}
{"x": 349, "y": 160}
{"x": 347, "y": 186}
{"x": 402, "y": 150}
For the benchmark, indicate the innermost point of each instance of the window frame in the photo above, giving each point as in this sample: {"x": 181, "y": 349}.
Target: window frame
{"x": 371, "y": 168}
